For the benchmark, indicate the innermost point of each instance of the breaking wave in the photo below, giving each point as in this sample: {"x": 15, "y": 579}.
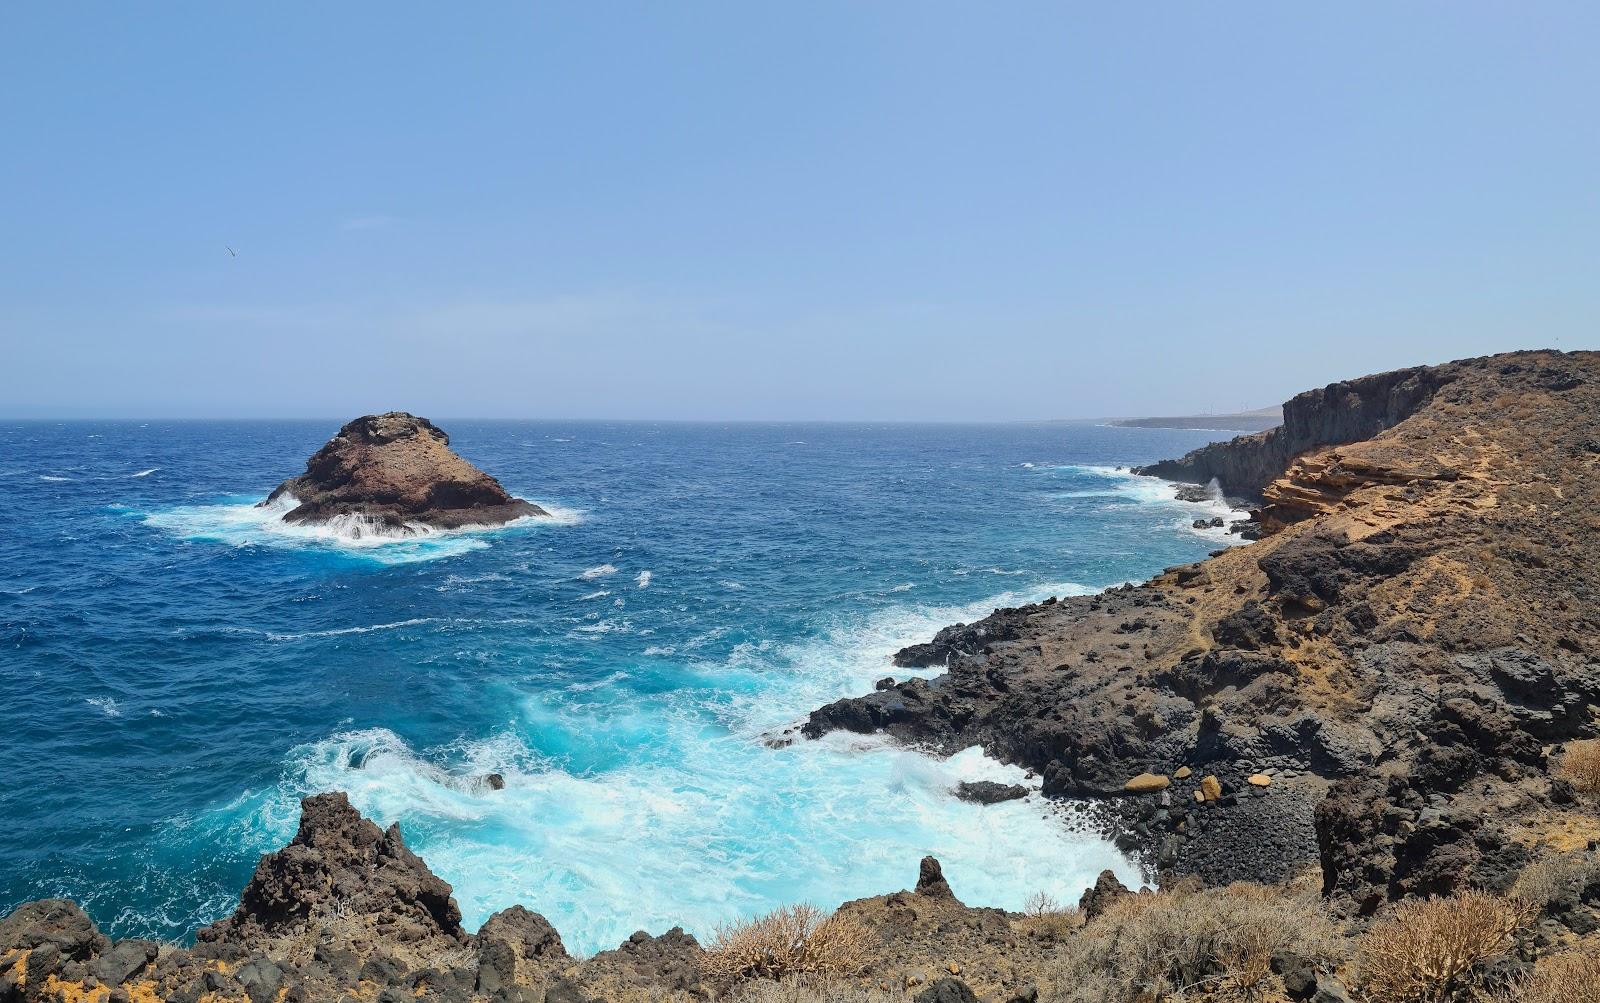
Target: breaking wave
{"x": 245, "y": 523}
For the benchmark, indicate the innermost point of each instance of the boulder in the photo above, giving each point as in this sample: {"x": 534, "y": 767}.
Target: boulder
{"x": 930, "y": 880}
{"x": 989, "y": 792}
{"x": 1147, "y": 783}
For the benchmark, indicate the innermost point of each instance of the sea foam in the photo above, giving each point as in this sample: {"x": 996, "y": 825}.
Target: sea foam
{"x": 244, "y": 523}
{"x": 667, "y": 805}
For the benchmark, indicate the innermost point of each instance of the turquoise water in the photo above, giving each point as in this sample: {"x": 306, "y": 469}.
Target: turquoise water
{"x": 180, "y": 668}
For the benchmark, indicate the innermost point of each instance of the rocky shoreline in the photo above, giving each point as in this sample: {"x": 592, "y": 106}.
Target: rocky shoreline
{"x": 1375, "y": 686}
{"x": 1382, "y": 706}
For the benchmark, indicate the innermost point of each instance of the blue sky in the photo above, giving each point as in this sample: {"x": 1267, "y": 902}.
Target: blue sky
{"x": 824, "y": 210}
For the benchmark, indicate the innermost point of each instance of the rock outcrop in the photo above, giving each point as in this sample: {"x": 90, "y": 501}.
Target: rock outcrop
{"x": 1383, "y": 670}
{"x": 1332, "y": 416}
{"x": 347, "y": 912}
{"x": 396, "y": 472}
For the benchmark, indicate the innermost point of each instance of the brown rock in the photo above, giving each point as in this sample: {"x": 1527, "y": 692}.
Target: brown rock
{"x": 1259, "y": 780}
{"x": 1210, "y": 788}
{"x": 396, "y": 471}
{"x": 1146, "y": 783}
{"x": 930, "y": 880}
{"x": 1183, "y": 773}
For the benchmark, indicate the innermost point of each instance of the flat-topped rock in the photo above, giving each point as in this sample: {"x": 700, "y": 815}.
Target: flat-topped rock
{"x": 397, "y": 472}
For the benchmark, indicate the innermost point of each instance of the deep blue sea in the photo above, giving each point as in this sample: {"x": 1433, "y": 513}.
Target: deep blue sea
{"x": 180, "y": 668}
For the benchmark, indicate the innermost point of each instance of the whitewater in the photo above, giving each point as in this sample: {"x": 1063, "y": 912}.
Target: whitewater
{"x": 187, "y": 667}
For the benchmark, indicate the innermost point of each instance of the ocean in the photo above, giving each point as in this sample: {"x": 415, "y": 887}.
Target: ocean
{"x": 180, "y": 668}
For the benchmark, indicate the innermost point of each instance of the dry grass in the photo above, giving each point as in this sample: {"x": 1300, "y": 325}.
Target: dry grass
{"x": 1424, "y": 948}
{"x": 1561, "y": 978}
{"x": 1580, "y": 766}
{"x": 799, "y": 991}
{"x": 797, "y": 942}
{"x": 1043, "y": 916}
{"x": 1172, "y": 944}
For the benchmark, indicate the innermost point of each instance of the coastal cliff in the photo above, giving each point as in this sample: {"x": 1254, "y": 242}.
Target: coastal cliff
{"x": 397, "y": 472}
{"x": 1379, "y": 687}
{"x": 1338, "y": 413}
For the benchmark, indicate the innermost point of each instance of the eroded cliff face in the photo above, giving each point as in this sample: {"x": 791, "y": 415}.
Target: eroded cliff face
{"x": 1338, "y": 413}
{"x": 397, "y": 472}
{"x": 1414, "y": 633}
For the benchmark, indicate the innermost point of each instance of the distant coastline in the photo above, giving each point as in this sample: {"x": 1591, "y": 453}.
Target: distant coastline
{"x": 1258, "y": 420}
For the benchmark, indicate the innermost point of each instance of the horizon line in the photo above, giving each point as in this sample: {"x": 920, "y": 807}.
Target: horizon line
{"x": 64, "y": 419}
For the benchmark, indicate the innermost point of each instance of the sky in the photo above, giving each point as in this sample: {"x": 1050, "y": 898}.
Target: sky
{"x": 874, "y": 211}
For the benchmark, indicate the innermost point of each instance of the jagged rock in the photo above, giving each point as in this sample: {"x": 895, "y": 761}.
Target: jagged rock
{"x": 1097, "y": 898}
{"x": 345, "y": 875}
{"x": 665, "y": 964}
{"x": 930, "y": 880}
{"x": 989, "y": 792}
{"x": 397, "y": 471}
{"x": 55, "y": 923}
{"x": 516, "y": 940}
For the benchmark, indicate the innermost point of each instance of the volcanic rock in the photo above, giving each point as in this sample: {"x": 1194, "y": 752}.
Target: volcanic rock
{"x": 1419, "y": 605}
{"x": 395, "y": 472}
{"x": 989, "y": 792}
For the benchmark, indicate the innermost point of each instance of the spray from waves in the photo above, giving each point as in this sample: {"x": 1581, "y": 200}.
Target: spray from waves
{"x": 716, "y": 830}
{"x": 145, "y": 473}
{"x": 53, "y": 479}
{"x": 602, "y": 571}
{"x": 243, "y": 523}
{"x": 1116, "y": 482}
{"x": 106, "y": 706}
{"x": 633, "y": 804}
{"x": 643, "y": 579}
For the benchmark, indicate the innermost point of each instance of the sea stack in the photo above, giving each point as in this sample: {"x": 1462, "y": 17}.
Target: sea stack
{"x": 397, "y": 471}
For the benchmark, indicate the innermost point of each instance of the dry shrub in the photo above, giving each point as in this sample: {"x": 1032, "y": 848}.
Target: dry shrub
{"x": 799, "y": 991}
{"x": 1560, "y": 978}
{"x": 1045, "y": 917}
{"x": 794, "y": 942}
{"x": 1555, "y": 879}
{"x": 1173, "y": 943}
{"x": 1417, "y": 954}
{"x": 1580, "y": 765}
